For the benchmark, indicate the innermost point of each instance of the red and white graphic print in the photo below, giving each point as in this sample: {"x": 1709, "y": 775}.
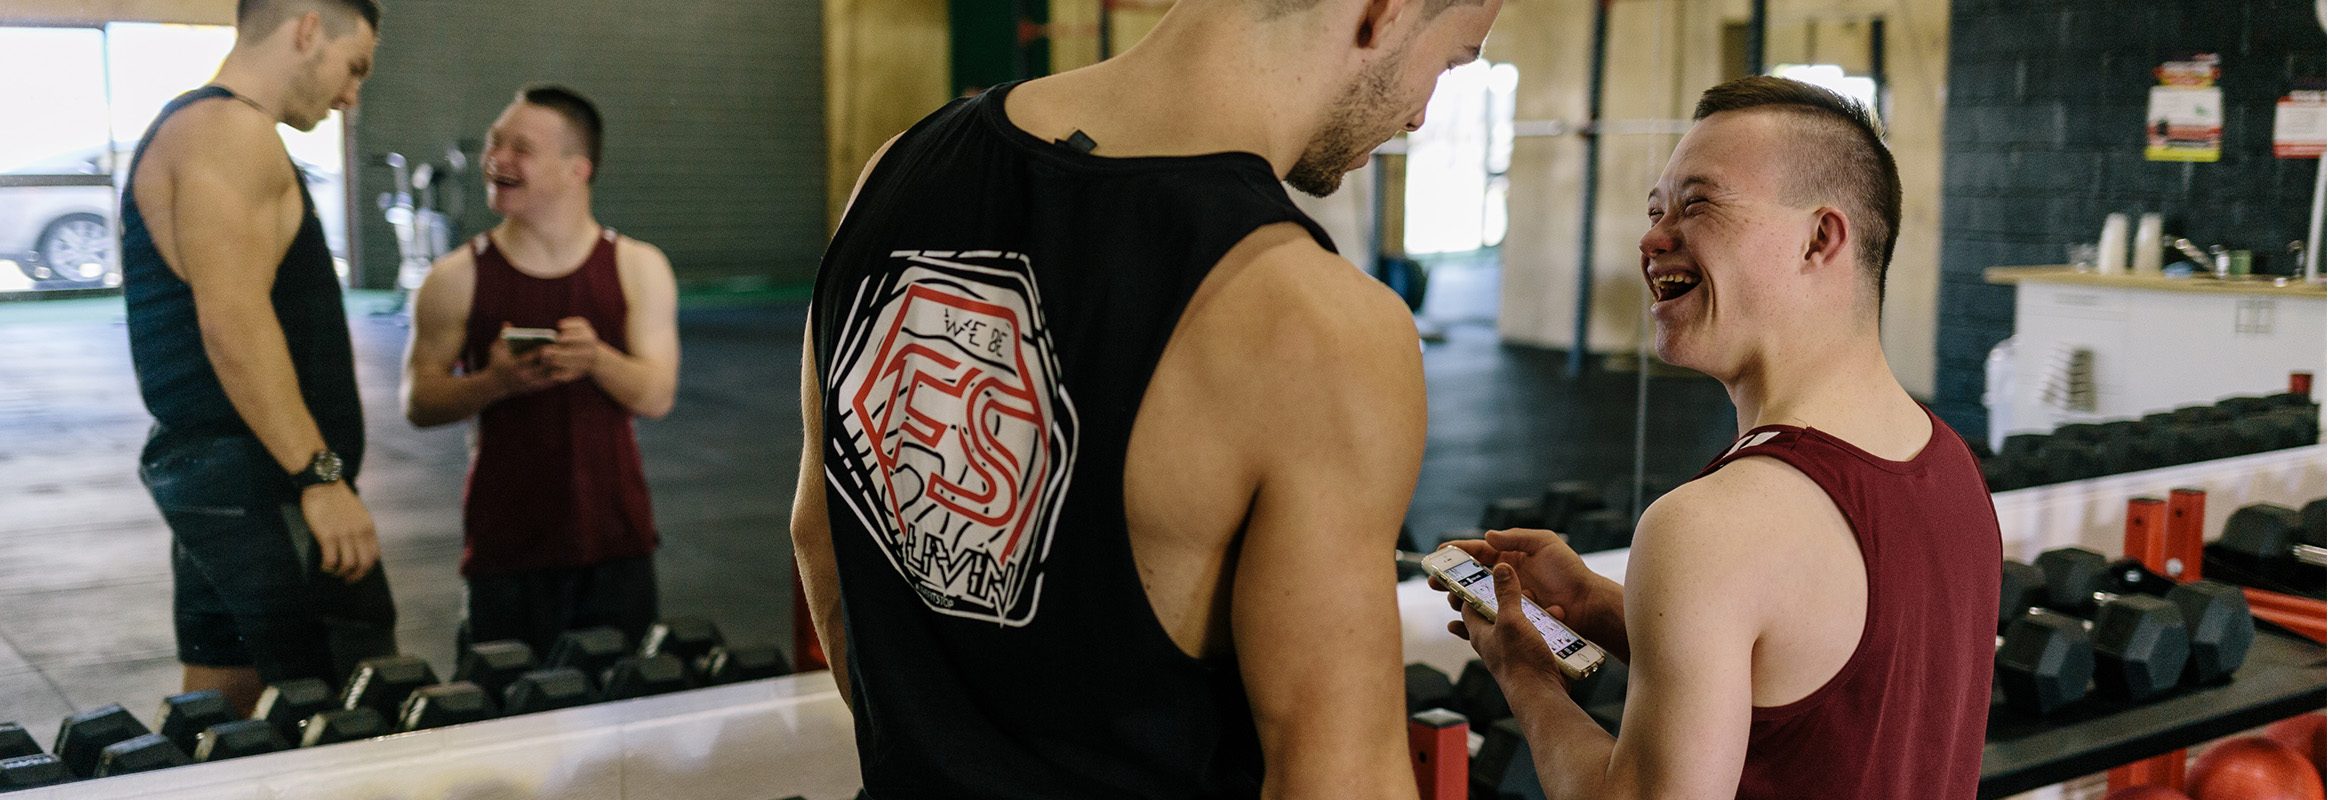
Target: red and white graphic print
{"x": 959, "y": 440}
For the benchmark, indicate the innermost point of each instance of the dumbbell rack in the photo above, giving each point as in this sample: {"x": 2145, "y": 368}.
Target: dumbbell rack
{"x": 2281, "y": 678}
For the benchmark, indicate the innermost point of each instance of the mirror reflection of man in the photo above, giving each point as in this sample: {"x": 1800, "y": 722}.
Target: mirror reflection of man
{"x": 1821, "y": 598}
{"x": 557, "y": 529}
{"x": 241, "y": 348}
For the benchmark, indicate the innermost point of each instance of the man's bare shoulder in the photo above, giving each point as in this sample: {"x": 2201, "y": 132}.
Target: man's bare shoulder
{"x": 1746, "y": 515}
{"x": 222, "y": 141}
{"x": 632, "y": 250}
{"x": 1280, "y": 299}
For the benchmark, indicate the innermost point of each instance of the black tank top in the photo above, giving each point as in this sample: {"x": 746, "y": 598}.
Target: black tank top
{"x": 174, "y": 373}
{"x": 985, "y": 324}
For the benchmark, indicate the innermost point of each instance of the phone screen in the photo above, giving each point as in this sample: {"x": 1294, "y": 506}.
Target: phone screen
{"x": 1474, "y": 580}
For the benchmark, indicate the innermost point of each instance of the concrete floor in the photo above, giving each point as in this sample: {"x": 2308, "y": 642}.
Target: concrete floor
{"x": 85, "y": 577}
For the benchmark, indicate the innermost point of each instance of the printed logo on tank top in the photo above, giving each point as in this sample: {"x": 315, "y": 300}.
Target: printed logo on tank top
{"x": 958, "y": 437}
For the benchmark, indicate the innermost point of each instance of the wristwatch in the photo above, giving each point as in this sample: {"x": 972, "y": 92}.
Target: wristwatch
{"x": 323, "y": 468}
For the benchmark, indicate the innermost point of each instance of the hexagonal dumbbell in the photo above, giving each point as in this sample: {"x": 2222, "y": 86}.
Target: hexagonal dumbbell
{"x": 242, "y": 737}
{"x": 83, "y": 737}
{"x": 287, "y": 705}
{"x": 383, "y": 683}
{"x": 492, "y": 666}
{"x": 2141, "y": 643}
{"x": 183, "y": 717}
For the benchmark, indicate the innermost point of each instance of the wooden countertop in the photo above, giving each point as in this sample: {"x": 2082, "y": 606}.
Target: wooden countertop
{"x": 2265, "y": 285}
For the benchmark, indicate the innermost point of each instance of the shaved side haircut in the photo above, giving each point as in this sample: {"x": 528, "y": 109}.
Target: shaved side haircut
{"x": 1842, "y": 158}
{"x": 261, "y": 16}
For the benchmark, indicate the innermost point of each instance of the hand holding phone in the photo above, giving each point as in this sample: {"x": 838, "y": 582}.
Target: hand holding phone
{"x": 1470, "y": 580}
{"x": 526, "y": 340}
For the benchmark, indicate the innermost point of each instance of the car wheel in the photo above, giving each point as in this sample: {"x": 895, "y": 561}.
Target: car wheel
{"x": 77, "y": 249}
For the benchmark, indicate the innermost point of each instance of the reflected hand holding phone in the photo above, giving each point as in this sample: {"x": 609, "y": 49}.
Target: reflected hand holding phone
{"x": 526, "y": 340}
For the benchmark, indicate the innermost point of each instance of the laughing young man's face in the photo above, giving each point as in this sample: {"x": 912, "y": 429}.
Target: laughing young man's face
{"x": 1723, "y": 242}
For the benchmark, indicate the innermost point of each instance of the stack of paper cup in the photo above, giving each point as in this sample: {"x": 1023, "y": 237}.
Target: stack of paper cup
{"x": 2112, "y": 259}
{"x": 2147, "y": 247}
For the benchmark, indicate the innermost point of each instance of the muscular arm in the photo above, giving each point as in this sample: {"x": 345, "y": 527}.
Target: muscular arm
{"x": 226, "y": 223}
{"x": 1329, "y": 386}
{"x": 812, "y": 533}
{"x": 435, "y": 393}
{"x": 230, "y": 197}
{"x": 646, "y": 379}
{"x": 1700, "y": 609}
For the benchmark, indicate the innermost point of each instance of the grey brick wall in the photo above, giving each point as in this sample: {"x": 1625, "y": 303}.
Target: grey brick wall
{"x": 714, "y": 112}
{"x": 2044, "y": 137}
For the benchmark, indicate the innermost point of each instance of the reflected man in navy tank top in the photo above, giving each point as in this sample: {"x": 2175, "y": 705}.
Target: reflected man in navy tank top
{"x": 553, "y": 332}
{"x": 1812, "y": 616}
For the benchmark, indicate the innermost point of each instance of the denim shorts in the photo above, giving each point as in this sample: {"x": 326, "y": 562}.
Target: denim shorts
{"x": 249, "y": 591}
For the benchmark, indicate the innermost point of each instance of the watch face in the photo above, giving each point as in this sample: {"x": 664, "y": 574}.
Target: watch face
{"x": 327, "y": 466}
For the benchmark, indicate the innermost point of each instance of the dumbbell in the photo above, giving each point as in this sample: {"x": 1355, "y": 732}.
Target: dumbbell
{"x": 16, "y": 743}
{"x": 643, "y": 676}
{"x": 383, "y": 683}
{"x": 184, "y": 717}
{"x": 242, "y": 737}
{"x": 687, "y": 638}
{"x": 590, "y": 650}
{"x": 342, "y": 725}
{"x": 26, "y": 772}
{"x": 146, "y": 753}
{"x": 1428, "y": 688}
{"x": 547, "y": 690}
{"x": 445, "y": 704}
{"x": 82, "y": 739}
{"x": 287, "y": 705}
{"x": 2135, "y": 649}
{"x": 2274, "y": 542}
{"x": 492, "y": 666}
{"x": 734, "y": 664}
{"x": 2136, "y": 631}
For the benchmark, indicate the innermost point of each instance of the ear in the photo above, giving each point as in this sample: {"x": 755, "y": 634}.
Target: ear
{"x": 1831, "y": 238}
{"x": 307, "y": 32}
{"x": 1381, "y": 17}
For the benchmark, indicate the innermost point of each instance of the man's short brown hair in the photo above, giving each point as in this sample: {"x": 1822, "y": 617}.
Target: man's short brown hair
{"x": 580, "y": 114}
{"x": 1847, "y": 162}
{"x": 260, "y": 16}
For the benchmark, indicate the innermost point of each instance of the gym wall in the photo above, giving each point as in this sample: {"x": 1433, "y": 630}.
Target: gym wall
{"x": 715, "y": 145}
{"x": 1661, "y": 55}
{"x": 98, "y": 12}
{"x": 886, "y": 65}
{"x": 2045, "y": 137}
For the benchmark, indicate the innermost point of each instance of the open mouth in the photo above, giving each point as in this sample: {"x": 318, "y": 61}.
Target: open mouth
{"x": 1670, "y": 285}
{"x": 505, "y": 182}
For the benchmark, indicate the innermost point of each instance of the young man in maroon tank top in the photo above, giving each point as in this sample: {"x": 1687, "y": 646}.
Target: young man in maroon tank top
{"x": 1810, "y": 617}
{"x": 558, "y": 533}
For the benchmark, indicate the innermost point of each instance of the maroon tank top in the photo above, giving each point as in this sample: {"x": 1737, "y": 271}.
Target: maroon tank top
{"x": 556, "y": 481}
{"x": 1906, "y": 715}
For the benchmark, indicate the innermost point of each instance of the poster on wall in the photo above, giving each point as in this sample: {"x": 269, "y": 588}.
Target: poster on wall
{"x": 2300, "y": 130}
{"x": 2185, "y": 122}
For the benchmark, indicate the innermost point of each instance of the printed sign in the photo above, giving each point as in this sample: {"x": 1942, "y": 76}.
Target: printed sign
{"x": 2300, "y": 129}
{"x": 2185, "y": 122}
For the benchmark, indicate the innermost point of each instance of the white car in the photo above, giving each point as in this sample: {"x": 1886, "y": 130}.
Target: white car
{"x": 63, "y": 236}
{"x": 59, "y": 236}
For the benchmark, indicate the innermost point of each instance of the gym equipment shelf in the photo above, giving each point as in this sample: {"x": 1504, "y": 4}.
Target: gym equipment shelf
{"x": 2282, "y": 678}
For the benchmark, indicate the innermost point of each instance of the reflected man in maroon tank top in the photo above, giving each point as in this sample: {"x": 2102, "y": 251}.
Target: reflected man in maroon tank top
{"x": 1811, "y": 616}
{"x": 557, "y": 529}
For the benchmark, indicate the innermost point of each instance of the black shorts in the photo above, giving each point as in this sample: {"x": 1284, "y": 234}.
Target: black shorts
{"x": 249, "y": 590}
{"x": 536, "y": 606}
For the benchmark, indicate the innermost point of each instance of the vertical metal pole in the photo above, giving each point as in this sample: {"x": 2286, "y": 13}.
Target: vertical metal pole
{"x": 1581, "y": 342}
{"x": 1875, "y": 66}
{"x": 1757, "y": 25}
{"x": 1106, "y": 29}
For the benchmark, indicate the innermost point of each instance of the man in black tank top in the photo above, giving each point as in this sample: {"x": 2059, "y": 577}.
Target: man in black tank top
{"x": 241, "y": 347}
{"x": 1104, "y": 444}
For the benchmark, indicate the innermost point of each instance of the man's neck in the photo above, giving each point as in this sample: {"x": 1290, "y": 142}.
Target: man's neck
{"x": 557, "y": 233}
{"x": 1216, "y": 80}
{"x": 1842, "y": 385}
{"x": 257, "y": 83}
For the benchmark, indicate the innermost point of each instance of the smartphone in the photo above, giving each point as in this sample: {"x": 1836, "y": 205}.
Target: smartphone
{"x": 1467, "y": 578}
{"x": 524, "y": 340}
